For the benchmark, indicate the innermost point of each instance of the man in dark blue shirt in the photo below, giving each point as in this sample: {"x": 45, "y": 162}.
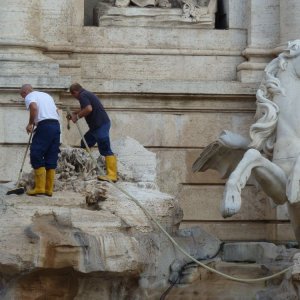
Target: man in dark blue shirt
{"x": 99, "y": 124}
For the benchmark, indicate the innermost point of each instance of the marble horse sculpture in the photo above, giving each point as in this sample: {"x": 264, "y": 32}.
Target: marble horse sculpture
{"x": 272, "y": 153}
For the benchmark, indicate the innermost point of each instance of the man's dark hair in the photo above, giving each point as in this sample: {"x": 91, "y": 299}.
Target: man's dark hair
{"x": 75, "y": 87}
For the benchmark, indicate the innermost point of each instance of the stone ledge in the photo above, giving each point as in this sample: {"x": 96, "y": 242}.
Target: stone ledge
{"x": 57, "y": 82}
{"x": 23, "y": 68}
{"x": 170, "y": 87}
{"x": 116, "y": 38}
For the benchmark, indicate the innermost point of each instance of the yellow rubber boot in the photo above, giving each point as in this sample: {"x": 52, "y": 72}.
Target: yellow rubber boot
{"x": 40, "y": 182}
{"x": 111, "y": 169}
{"x": 50, "y": 177}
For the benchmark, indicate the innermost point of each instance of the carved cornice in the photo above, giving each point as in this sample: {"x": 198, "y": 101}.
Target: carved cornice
{"x": 154, "y": 51}
{"x": 22, "y": 44}
{"x": 258, "y": 52}
{"x": 45, "y": 82}
{"x": 170, "y": 87}
{"x": 141, "y": 51}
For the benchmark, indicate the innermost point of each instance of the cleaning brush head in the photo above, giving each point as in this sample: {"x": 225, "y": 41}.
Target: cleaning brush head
{"x": 17, "y": 191}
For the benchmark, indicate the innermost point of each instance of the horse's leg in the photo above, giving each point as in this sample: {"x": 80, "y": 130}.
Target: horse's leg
{"x": 271, "y": 178}
{"x": 292, "y": 187}
{"x": 272, "y": 183}
{"x": 292, "y": 191}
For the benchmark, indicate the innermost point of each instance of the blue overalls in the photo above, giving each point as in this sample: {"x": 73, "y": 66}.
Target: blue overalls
{"x": 101, "y": 137}
{"x": 44, "y": 149}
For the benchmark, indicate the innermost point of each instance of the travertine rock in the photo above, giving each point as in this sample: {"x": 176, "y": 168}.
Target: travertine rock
{"x": 90, "y": 241}
{"x": 135, "y": 163}
{"x": 92, "y": 228}
{"x": 258, "y": 252}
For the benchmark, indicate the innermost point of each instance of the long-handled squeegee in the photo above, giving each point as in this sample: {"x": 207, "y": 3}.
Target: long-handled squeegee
{"x": 19, "y": 190}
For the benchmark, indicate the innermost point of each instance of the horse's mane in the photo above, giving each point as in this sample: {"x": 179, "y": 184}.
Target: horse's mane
{"x": 263, "y": 131}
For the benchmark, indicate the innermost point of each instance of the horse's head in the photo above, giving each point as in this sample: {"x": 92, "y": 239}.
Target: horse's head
{"x": 263, "y": 131}
{"x": 292, "y": 51}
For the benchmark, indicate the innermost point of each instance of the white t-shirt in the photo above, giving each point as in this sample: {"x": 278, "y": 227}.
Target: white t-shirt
{"x": 46, "y": 106}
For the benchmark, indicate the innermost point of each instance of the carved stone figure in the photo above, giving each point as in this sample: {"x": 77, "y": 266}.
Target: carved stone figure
{"x": 156, "y": 13}
{"x": 196, "y": 11}
{"x": 273, "y": 153}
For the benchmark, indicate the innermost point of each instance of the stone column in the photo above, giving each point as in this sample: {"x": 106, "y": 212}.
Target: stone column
{"x": 20, "y": 19}
{"x": 20, "y": 30}
{"x": 22, "y": 60}
{"x": 22, "y": 49}
{"x": 263, "y": 36}
{"x": 289, "y": 20}
{"x": 59, "y": 20}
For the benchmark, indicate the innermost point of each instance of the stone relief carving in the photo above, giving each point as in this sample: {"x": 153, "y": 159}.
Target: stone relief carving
{"x": 156, "y": 13}
{"x": 163, "y": 3}
{"x": 272, "y": 153}
{"x": 197, "y": 11}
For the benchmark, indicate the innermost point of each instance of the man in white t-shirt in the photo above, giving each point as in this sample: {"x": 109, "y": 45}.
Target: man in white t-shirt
{"x": 44, "y": 148}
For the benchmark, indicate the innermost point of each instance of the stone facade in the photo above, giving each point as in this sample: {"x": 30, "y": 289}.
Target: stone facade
{"x": 172, "y": 88}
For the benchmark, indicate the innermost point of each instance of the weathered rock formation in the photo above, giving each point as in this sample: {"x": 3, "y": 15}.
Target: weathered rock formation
{"x": 90, "y": 241}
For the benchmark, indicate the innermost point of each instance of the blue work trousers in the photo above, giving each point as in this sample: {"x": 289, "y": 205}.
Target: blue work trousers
{"x": 101, "y": 137}
{"x": 44, "y": 149}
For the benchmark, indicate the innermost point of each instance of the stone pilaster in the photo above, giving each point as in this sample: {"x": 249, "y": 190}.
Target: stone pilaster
{"x": 22, "y": 60}
{"x": 22, "y": 48}
{"x": 58, "y": 17}
{"x": 20, "y": 30}
{"x": 289, "y": 20}
{"x": 263, "y": 36}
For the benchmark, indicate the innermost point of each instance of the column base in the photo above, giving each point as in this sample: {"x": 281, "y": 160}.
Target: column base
{"x": 252, "y": 71}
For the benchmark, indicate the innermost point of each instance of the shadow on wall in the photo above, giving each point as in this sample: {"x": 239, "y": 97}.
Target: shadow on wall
{"x": 88, "y": 12}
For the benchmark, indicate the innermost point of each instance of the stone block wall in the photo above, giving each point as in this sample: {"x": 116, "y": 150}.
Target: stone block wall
{"x": 172, "y": 89}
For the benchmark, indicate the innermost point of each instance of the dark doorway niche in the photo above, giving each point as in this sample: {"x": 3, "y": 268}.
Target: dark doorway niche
{"x": 89, "y": 12}
{"x": 221, "y": 15}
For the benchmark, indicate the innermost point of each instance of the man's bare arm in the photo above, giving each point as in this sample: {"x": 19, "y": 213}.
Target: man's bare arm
{"x": 33, "y": 111}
